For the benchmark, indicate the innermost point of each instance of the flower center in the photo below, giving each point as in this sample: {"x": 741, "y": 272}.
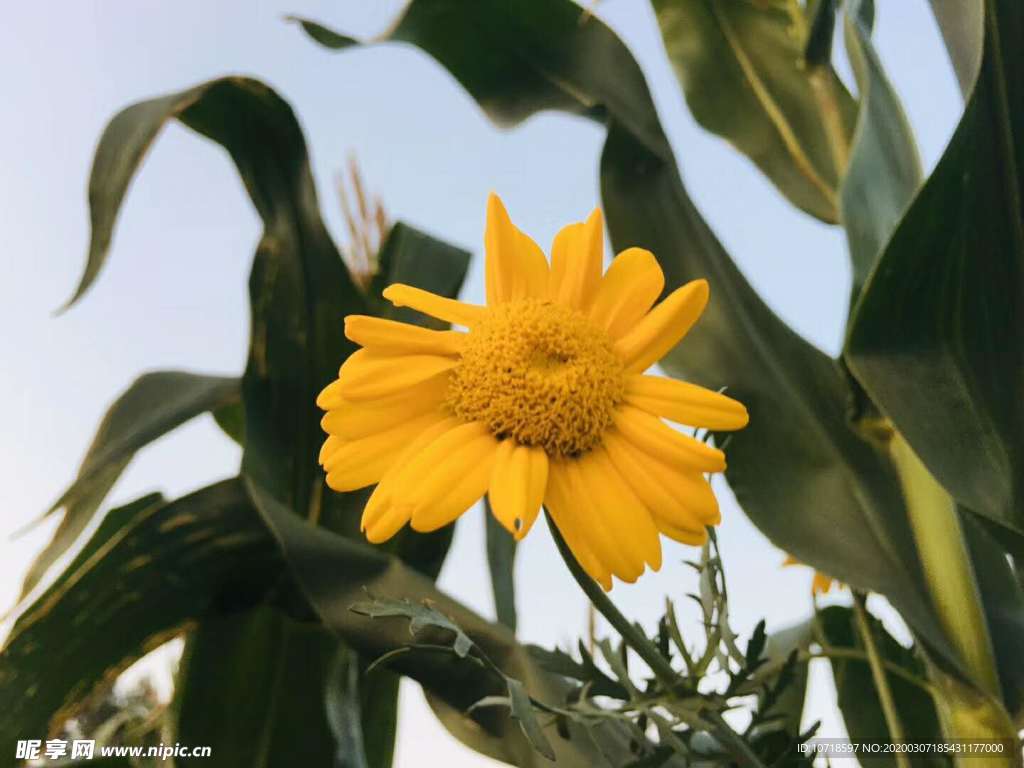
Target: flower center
{"x": 540, "y": 373}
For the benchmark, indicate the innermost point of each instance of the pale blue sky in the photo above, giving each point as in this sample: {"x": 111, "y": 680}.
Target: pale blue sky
{"x": 174, "y": 293}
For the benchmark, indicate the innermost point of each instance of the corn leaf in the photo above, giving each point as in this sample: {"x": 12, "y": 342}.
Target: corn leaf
{"x": 741, "y": 65}
{"x": 884, "y": 171}
{"x": 155, "y": 404}
{"x": 149, "y": 570}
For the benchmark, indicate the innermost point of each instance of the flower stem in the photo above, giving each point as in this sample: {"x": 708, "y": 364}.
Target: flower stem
{"x": 885, "y": 697}
{"x": 646, "y": 650}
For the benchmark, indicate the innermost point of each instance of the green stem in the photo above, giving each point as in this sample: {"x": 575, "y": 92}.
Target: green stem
{"x": 892, "y": 717}
{"x": 947, "y": 566}
{"x": 646, "y": 650}
{"x": 967, "y": 710}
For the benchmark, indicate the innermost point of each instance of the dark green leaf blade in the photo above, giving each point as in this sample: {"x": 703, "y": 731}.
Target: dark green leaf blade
{"x": 148, "y": 570}
{"x": 155, "y": 404}
{"x": 742, "y": 69}
{"x": 936, "y": 339}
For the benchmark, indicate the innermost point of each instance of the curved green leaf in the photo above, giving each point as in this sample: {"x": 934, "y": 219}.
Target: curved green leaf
{"x": 741, "y": 65}
{"x": 806, "y": 479}
{"x": 148, "y": 570}
{"x": 936, "y": 338}
{"x": 155, "y": 404}
{"x": 884, "y": 171}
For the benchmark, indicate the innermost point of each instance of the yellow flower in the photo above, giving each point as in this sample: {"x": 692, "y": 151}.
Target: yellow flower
{"x": 543, "y": 401}
{"x": 820, "y": 584}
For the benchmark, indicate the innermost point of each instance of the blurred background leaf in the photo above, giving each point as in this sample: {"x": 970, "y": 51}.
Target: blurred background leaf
{"x": 155, "y": 404}
{"x": 150, "y": 569}
{"x": 884, "y": 171}
{"x": 742, "y": 68}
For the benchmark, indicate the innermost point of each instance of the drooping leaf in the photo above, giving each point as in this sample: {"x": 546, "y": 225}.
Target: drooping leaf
{"x": 155, "y": 404}
{"x": 255, "y": 673}
{"x": 148, "y": 571}
{"x": 858, "y": 698}
{"x": 936, "y": 340}
{"x": 884, "y": 171}
{"x": 814, "y": 486}
{"x": 742, "y": 68}
{"x": 501, "y": 557}
{"x": 300, "y": 292}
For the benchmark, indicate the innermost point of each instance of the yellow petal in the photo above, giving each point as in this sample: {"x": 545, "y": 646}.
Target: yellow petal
{"x": 559, "y": 503}
{"x": 369, "y": 375}
{"x": 682, "y": 535}
{"x": 629, "y": 288}
{"x": 515, "y": 267}
{"x": 663, "y": 327}
{"x": 518, "y": 481}
{"x": 359, "y": 463}
{"x": 352, "y": 421}
{"x": 685, "y": 403}
{"x": 599, "y": 532}
{"x": 457, "y": 480}
{"x": 622, "y": 512}
{"x": 431, "y": 304}
{"x": 379, "y": 504}
{"x": 392, "y": 337}
{"x": 658, "y": 440}
{"x": 328, "y": 449}
{"x": 678, "y": 499}
{"x": 576, "y": 257}
{"x": 330, "y": 397}
{"x": 388, "y": 524}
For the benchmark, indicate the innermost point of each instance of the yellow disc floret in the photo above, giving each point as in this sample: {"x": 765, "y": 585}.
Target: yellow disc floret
{"x": 540, "y": 373}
